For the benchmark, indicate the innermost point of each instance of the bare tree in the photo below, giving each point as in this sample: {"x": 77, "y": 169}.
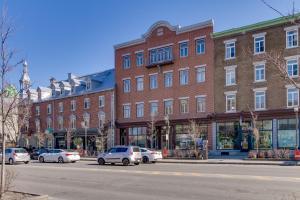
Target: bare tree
{"x": 193, "y": 133}
{"x": 152, "y": 130}
{"x": 255, "y": 130}
{"x": 8, "y": 99}
{"x": 101, "y": 140}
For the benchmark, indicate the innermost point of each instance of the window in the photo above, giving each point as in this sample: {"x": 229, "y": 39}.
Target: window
{"x": 126, "y": 111}
{"x": 287, "y": 133}
{"x": 49, "y": 109}
{"x": 200, "y": 46}
{"x": 168, "y": 107}
{"x": 60, "y": 107}
{"x": 168, "y": 79}
{"x": 72, "y": 89}
{"x": 153, "y": 108}
{"x": 101, "y": 101}
{"x": 230, "y": 76}
{"x": 200, "y": 74}
{"x": 73, "y": 121}
{"x": 259, "y": 44}
{"x": 53, "y": 92}
{"x": 87, "y": 103}
{"x": 292, "y": 38}
{"x": 101, "y": 117}
{"x": 265, "y": 129}
{"x": 161, "y": 55}
{"x": 140, "y": 110}
{"x": 73, "y": 105}
{"x": 37, "y": 126}
{"x": 49, "y": 122}
{"x": 153, "y": 81}
{"x": 61, "y": 91}
{"x": 88, "y": 84}
{"x": 201, "y": 104}
{"x": 292, "y": 97}
{"x": 230, "y": 103}
{"x": 126, "y": 62}
{"x": 183, "y": 49}
{"x": 184, "y": 105}
{"x": 184, "y": 77}
{"x": 259, "y": 73}
{"x": 137, "y": 136}
{"x": 139, "y": 59}
{"x": 60, "y": 122}
{"x": 140, "y": 83}
{"x": 37, "y": 110}
{"x": 228, "y": 136}
{"x": 229, "y": 50}
{"x": 86, "y": 120}
{"x": 126, "y": 85}
{"x": 260, "y": 100}
{"x": 292, "y": 67}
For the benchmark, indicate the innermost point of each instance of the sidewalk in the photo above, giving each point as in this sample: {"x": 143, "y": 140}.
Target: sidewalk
{"x": 219, "y": 161}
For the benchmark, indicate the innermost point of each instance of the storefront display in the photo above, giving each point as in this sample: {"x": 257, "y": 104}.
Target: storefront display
{"x": 265, "y": 134}
{"x": 137, "y": 136}
{"x": 286, "y": 133}
{"x": 228, "y": 136}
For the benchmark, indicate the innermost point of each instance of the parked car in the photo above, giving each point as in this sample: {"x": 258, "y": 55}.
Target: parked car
{"x": 16, "y": 155}
{"x": 150, "y": 155}
{"x": 59, "y": 155}
{"x": 35, "y": 154}
{"x": 121, "y": 154}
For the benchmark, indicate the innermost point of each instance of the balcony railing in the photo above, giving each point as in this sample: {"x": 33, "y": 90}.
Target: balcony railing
{"x": 161, "y": 62}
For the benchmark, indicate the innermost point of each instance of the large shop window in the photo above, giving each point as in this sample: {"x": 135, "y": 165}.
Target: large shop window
{"x": 137, "y": 136}
{"x": 286, "y": 133}
{"x": 184, "y": 140}
{"x": 228, "y": 135}
{"x": 265, "y": 134}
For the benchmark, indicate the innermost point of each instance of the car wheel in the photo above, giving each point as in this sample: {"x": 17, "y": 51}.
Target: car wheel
{"x": 136, "y": 163}
{"x": 153, "y": 162}
{"x": 145, "y": 159}
{"x": 60, "y": 160}
{"x": 112, "y": 163}
{"x": 73, "y": 161}
{"x": 101, "y": 161}
{"x": 125, "y": 162}
{"x": 11, "y": 161}
{"x": 41, "y": 159}
{"x": 26, "y": 162}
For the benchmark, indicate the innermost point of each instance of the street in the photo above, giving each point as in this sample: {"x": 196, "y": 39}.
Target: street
{"x": 87, "y": 180}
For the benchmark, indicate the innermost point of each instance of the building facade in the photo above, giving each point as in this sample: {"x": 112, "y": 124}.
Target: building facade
{"x": 248, "y": 79}
{"x": 164, "y": 80}
{"x": 73, "y": 113}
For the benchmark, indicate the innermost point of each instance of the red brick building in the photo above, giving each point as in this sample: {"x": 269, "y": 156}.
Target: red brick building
{"x": 166, "y": 76}
{"x": 78, "y": 107}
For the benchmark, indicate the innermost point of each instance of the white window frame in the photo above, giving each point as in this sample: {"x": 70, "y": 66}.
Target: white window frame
{"x": 258, "y": 36}
{"x": 168, "y": 81}
{"x": 101, "y": 101}
{"x": 200, "y": 72}
{"x": 262, "y": 66}
{"x": 126, "y": 107}
{"x": 182, "y": 79}
{"x": 287, "y": 31}
{"x": 171, "y": 110}
{"x": 88, "y": 85}
{"x": 182, "y": 108}
{"x": 86, "y": 103}
{"x": 60, "y": 107}
{"x": 287, "y": 97}
{"x": 200, "y": 108}
{"x": 229, "y": 48}
{"x": 139, "y": 83}
{"x": 37, "y": 110}
{"x": 126, "y": 85}
{"x": 60, "y": 123}
{"x": 296, "y": 59}
{"x": 49, "y": 122}
{"x": 228, "y": 75}
{"x": 73, "y": 105}
{"x": 153, "y": 86}
{"x": 125, "y": 61}
{"x": 233, "y": 94}
{"x": 202, "y": 47}
{"x": 140, "y": 109}
{"x": 184, "y": 51}
{"x": 256, "y": 92}
{"x": 139, "y": 58}
{"x": 49, "y": 109}
{"x": 151, "y": 106}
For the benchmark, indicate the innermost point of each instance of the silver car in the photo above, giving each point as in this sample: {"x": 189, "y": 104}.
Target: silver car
{"x": 59, "y": 155}
{"x": 16, "y": 155}
{"x": 121, "y": 154}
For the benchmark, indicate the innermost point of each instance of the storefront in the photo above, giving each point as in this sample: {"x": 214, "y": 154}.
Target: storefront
{"x": 287, "y": 133}
{"x": 137, "y": 136}
{"x": 228, "y": 136}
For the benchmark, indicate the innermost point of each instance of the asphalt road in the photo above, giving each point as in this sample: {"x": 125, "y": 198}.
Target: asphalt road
{"x": 87, "y": 180}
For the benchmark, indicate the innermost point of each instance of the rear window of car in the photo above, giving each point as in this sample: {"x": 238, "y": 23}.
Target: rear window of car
{"x": 7, "y": 150}
{"x": 57, "y": 151}
{"x": 136, "y": 149}
{"x": 20, "y": 151}
{"x": 143, "y": 150}
{"x": 121, "y": 149}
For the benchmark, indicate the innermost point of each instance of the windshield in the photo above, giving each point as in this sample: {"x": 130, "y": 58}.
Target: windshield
{"x": 20, "y": 151}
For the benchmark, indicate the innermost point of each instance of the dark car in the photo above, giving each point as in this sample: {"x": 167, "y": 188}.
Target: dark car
{"x": 35, "y": 154}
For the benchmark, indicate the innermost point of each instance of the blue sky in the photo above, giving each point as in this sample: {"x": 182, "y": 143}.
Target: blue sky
{"x": 61, "y": 36}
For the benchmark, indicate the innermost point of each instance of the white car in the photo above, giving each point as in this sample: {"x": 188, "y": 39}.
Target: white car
{"x": 150, "y": 155}
{"x": 16, "y": 155}
{"x": 59, "y": 155}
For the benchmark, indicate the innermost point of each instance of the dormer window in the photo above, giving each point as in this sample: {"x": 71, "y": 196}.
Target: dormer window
{"x": 53, "y": 92}
{"x": 88, "y": 85}
{"x": 72, "y": 89}
{"x": 61, "y": 91}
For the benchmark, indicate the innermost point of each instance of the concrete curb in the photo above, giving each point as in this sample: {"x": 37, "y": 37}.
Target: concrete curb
{"x": 34, "y": 196}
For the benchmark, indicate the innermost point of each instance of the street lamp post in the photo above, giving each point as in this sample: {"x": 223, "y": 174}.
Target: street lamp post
{"x": 168, "y": 130}
{"x": 296, "y": 110}
{"x": 85, "y": 136}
